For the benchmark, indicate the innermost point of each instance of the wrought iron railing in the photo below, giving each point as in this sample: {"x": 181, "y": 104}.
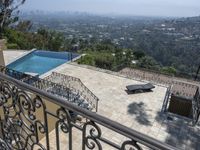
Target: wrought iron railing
{"x": 76, "y": 85}
{"x": 58, "y": 89}
{"x": 196, "y": 107}
{"x": 34, "y": 119}
{"x": 166, "y": 99}
{"x": 195, "y": 104}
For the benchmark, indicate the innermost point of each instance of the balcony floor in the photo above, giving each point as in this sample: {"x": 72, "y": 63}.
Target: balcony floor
{"x": 137, "y": 111}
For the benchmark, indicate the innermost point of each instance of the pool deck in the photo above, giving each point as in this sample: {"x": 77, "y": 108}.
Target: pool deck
{"x": 141, "y": 112}
{"x": 11, "y": 55}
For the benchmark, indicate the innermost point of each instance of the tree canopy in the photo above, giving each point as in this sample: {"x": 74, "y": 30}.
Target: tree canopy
{"x": 8, "y": 13}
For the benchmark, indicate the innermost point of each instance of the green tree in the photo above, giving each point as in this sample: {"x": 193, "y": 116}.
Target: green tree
{"x": 17, "y": 39}
{"x": 51, "y": 40}
{"x": 148, "y": 63}
{"x": 87, "y": 60}
{"x": 168, "y": 70}
{"x": 139, "y": 54}
{"x": 24, "y": 26}
{"x": 104, "y": 60}
{"x": 8, "y": 13}
{"x": 56, "y": 40}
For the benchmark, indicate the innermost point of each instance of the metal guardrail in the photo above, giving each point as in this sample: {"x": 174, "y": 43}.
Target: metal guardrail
{"x": 196, "y": 107}
{"x": 22, "y": 127}
{"x": 52, "y": 88}
{"x": 166, "y": 99}
{"x": 76, "y": 85}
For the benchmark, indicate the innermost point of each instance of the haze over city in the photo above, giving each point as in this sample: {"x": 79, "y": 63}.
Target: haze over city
{"x": 164, "y": 8}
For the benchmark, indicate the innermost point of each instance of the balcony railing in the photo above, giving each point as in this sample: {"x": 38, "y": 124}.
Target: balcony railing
{"x": 76, "y": 85}
{"x": 78, "y": 94}
{"x": 34, "y": 119}
{"x": 196, "y": 107}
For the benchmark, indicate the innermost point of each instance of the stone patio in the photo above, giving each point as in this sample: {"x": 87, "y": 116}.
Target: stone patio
{"x": 11, "y": 55}
{"x": 141, "y": 111}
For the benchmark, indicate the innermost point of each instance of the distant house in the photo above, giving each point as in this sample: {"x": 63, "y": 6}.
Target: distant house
{"x": 76, "y": 47}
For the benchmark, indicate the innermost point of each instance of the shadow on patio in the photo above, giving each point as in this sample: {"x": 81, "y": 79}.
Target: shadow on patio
{"x": 181, "y": 134}
{"x": 139, "y": 110}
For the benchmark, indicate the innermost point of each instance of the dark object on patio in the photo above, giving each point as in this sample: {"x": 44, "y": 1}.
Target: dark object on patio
{"x": 140, "y": 87}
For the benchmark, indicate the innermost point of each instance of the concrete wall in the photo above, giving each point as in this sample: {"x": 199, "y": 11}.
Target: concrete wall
{"x": 2, "y": 47}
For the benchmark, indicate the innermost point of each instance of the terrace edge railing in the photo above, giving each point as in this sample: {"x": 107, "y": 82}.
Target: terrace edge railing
{"x": 166, "y": 99}
{"x": 45, "y": 84}
{"x": 82, "y": 89}
{"x": 195, "y": 104}
{"x": 19, "y": 105}
{"x": 196, "y": 107}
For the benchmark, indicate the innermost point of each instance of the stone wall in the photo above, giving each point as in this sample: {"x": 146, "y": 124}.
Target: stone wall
{"x": 2, "y": 47}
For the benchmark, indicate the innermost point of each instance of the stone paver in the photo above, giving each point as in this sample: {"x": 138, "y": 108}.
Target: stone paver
{"x": 138, "y": 111}
{"x": 11, "y": 55}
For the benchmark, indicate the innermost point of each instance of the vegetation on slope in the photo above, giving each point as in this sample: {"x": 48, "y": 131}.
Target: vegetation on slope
{"x": 152, "y": 50}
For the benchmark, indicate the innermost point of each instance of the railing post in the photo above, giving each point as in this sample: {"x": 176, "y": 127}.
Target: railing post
{"x": 97, "y": 102}
{"x": 70, "y": 137}
{"x": 71, "y": 56}
{"x": 1, "y": 129}
{"x": 83, "y": 138}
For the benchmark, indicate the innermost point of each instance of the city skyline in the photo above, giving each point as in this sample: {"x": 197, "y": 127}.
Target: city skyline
{"x": 165, "y": 8}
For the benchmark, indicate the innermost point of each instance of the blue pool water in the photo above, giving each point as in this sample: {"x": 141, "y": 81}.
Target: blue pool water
{"x": 41, "y": 61}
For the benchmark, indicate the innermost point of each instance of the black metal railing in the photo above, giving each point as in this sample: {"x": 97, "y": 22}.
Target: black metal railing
{"x": 196, "y": 107}
{"x": 195, "y": 100}
{"x": 166, "y": 99}
{"x": 61, "y": 90}
{"x": 76, "y": 85}
{"x": 34, "y": 119}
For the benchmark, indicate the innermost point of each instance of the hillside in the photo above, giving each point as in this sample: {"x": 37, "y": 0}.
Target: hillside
{"x": 172, "y": 42}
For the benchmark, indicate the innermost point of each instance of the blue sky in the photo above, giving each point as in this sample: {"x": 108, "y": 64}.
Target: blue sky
{"x": 130, "y": 7}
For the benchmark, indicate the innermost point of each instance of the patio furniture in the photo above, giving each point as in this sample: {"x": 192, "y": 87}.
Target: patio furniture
{"x": 140, "y": 87}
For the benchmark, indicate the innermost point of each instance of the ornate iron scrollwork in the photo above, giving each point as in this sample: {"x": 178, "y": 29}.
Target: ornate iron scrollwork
{"x": 24, "y": 122}
{"x": 3, "y": 145}
{"x": 20, "y": 124}
{"x": 91, "y": 140}
{"x": 131, "y": 145}
{"x": 64, "y": 120}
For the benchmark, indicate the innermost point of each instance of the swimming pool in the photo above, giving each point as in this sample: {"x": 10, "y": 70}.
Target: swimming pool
{"x": 40, "y": 61}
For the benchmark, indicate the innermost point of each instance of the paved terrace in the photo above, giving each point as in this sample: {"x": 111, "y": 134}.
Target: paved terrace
{"x": 11, "y": 55}
{"x": 137, "y": 111}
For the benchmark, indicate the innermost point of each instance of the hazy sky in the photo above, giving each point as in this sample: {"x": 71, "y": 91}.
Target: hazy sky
{"x": 130, "y": 7}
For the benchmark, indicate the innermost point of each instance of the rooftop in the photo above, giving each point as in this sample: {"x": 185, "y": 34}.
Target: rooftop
{"x": 141, "y": 112}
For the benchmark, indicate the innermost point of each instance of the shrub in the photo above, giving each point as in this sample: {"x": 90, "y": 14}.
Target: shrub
{"x": 12, "y": 46}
